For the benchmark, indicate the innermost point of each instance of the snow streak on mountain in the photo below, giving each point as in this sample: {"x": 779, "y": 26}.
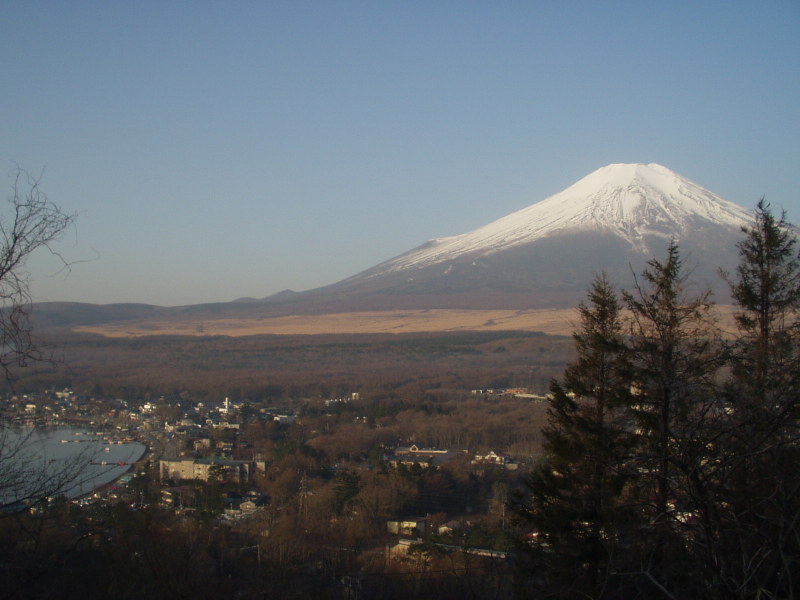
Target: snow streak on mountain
{"x": 632, "y": 201}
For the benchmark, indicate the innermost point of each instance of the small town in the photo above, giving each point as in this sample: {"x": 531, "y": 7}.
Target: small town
{"x": 312, "y": 488}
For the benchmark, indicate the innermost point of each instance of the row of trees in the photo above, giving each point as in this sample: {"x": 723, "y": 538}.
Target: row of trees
{"x": 673, "y": 451}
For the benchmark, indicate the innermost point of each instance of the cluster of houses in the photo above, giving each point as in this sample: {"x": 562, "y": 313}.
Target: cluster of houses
{"x": 213, "y": 457}
{"x": 241, "y": 471}
{"x": 50, "y": 407}
{"x": 183, "y": 496}
{"x": 208, "y": 469}
{"x": 515, "y": 392}
{"x": 409, "y": 456}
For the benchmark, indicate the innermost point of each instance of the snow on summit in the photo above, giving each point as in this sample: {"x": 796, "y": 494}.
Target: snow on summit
{"x": 629, "y": 200}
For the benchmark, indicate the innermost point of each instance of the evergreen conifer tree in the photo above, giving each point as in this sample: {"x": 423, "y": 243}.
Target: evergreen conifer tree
{"x": 657, "y": 480}
{"x": 575, "y": 505}
{"x": 676, "y": 356}
{"x": 767, "y": 292}
{"x": 758, "y": 528}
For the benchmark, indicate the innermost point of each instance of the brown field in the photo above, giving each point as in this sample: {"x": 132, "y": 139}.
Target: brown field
{"x": 549, "y": 321}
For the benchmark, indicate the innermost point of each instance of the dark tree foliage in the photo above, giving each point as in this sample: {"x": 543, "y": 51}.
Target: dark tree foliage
{"x": 758, "y": 531}
{"x": 767, "y": 291}
{"x": 576, "y": 495}
{"x": 676, "y": 358}
{"x": 706, "y": 449}
{"x": 346, "y": 486}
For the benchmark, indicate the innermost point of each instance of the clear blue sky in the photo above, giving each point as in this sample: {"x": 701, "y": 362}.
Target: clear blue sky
{"x": 225, "y": 149}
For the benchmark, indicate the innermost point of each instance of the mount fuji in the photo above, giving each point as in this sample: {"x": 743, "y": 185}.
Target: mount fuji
{"x": 545, "y": 255}
{"x": 541, "y": 257}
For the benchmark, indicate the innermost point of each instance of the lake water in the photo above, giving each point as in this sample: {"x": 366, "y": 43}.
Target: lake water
{"x": 101, "y": 457}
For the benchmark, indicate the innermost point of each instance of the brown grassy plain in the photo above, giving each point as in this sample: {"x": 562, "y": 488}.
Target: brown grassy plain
{"x": 549, "y": 321}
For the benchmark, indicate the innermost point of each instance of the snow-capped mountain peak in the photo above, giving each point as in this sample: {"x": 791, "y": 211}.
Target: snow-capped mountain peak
{"x": 631, "y": 201}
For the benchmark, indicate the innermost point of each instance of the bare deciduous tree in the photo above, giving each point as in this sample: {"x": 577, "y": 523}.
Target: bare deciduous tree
{"x": 28, "y": 476}
{"x": 31, "y": 222}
